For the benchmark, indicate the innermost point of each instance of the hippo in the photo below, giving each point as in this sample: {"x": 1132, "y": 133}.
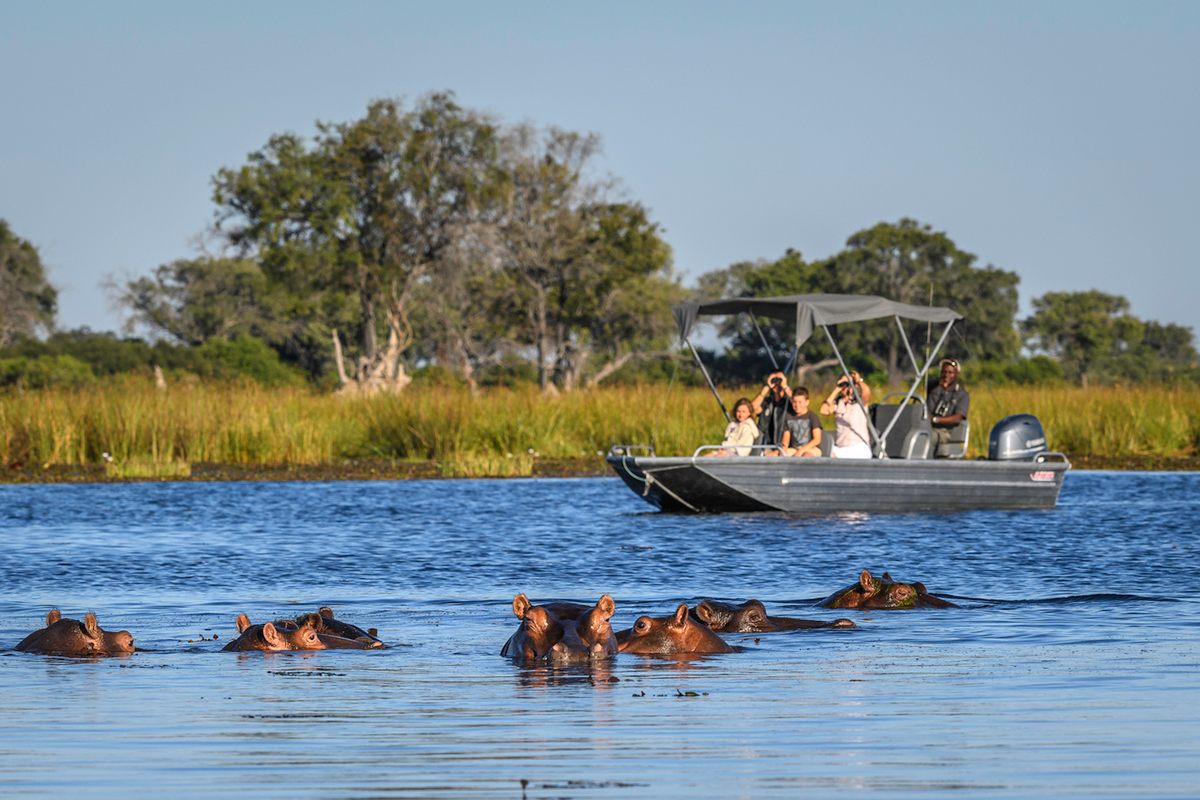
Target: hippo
{"x": 751, "y": 617}
{"x": 883, "y": 592}
{"x": 337, "y": 634}
{"x": 562, "y": 631}
{"x": 70, "y": 637}
{"x": 671, "y": 635}
{"x": 273, "y": 637}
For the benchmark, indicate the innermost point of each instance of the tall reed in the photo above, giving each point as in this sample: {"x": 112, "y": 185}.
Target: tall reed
{"x": 500, "y": 431}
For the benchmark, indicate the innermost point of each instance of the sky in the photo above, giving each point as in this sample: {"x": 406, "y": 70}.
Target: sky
{"x": 1060, "y": 140}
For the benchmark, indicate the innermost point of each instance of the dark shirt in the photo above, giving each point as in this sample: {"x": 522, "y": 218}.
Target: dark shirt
{"x": 770, "y": 421}
{"x": 801, "y": 427}
{"x": 943, "y": 402}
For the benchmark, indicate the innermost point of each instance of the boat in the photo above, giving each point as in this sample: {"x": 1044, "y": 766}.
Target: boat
{"x": 906, "y": 473}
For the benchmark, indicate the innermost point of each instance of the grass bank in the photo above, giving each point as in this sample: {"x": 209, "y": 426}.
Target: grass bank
{"x": 129, "y": 430}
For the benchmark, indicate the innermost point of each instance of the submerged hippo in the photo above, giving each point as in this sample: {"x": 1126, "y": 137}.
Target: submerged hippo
{"x": 671, "y": 635}
{"x": 70, "y": 637}
{"x": 883, "y": 592}
{"x": 751, "y": 617}
{"x": 562, "y": 631}
{"x": 338, "y": 634}
{"x": 273, "y": 637}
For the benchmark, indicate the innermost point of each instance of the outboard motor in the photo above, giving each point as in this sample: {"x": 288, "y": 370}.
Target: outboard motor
{"x": 1016, "y": 438}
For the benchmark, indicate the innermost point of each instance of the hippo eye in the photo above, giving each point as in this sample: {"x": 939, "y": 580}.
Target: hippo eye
{"x": 642, "y": 625}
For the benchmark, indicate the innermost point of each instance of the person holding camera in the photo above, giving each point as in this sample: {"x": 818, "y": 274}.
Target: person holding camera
{"x": 948, "y": 404}
{"x": 851, "y": 437}
{"x": 772, "y": 405}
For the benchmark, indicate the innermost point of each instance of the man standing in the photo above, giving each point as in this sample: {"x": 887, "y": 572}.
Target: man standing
{"x": 772, "y": 404}
{"x": 948, "y": 403}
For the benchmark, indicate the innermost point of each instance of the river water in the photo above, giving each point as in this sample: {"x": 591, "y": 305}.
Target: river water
{"x": 1072, "y": 669}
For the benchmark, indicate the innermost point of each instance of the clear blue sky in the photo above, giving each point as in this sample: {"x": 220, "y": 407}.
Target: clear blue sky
{"x": 1057, "y": 140}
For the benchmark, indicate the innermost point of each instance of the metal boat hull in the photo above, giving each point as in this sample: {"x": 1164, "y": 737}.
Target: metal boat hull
{"x": 830, "y": 485}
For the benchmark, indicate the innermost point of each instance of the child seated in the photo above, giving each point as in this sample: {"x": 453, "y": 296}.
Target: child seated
{"x": 739, "y": 434}
{"x": 801, "y": 428}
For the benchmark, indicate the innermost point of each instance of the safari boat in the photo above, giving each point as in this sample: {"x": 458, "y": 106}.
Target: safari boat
{"x": 904, "y": 474}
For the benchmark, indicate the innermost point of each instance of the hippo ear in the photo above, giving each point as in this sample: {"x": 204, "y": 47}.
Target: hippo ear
{"x": 920, "y": 587}
{"x": 243, "y": 622}
{"x": 866, "y": 582}
{"x": 325, "y": 611}
{"x": 704, "y": 612}
{"x": 681, "y": 616}
{"x": 607, "y": 605}
{"x": 91, "y": 626}
{"x": 521, "y": 606}
{"x": 54, "y": 616}
{"x": 272, "y": 636}
{"x": 887, "y": 576}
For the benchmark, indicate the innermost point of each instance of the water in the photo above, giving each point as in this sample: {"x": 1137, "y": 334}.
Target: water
{"x": 1071, "y": 670}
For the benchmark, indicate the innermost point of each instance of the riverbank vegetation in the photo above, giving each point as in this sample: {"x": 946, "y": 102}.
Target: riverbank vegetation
{"x": 130, "y": 429}
{"x": 428, "y": 285}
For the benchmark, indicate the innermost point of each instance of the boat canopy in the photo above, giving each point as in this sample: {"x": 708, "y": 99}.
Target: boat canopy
{"x": 808, "y": 311}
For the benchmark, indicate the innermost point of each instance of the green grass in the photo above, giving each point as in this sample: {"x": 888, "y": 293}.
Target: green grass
{"x": 148, "y": 432}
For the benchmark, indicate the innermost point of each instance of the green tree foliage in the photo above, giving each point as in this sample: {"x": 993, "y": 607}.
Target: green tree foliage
{"x": 1093, "y": 335}
{"x": 581, "y": 276}
{"x": 371, "y": 210}
{"x": 905, "y": 261}
{"x": 196, "y": 300}
{"x": 78, "y": 357}
{"x": 27, "y": 300}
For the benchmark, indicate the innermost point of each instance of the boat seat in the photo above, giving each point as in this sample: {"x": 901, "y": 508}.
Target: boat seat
{"x": 960, "y": 434}
{"x": 912, "y": 436}
{"x": 826, "y": 443}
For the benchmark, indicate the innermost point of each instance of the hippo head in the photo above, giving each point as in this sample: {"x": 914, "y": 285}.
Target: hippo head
{"x": 883, "y": 592}
{"x": 540, "y": 630}
{"x": 72, "y": 637}
{"x": 672, "y": 635}
{"x": 275, "y": 637}
{"x": 589, "y": 636}
{"x": 749, "y": 617}
{"x": 337, "y": 634}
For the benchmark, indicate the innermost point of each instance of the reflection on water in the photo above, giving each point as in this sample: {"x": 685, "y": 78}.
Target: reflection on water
{"x": 1070, "y": 669}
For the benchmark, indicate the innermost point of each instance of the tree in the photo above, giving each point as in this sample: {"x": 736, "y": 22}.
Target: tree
{"x": 541, "y": 231}
{"x": 1078, "y": 328}
{"x": 28, "y": 302}
{"x": 371, "y": 209}
{"x": 911, "y": 263}
{"x": 583, "y": 276}
{"x": 621, "y": 305}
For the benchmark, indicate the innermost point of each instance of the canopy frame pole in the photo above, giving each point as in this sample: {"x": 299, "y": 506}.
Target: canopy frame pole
{"x": 920, "y": 376}
{"x": 791, "y": 360}
{"x": 853, "y": 388}
{"x": 711, "y": 386}
{"x": 907, "y": 346}
{"x": 766, "y": 346}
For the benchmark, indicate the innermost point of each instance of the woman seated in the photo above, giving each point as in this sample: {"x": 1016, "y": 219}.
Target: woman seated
{"x": 739, "y": 434}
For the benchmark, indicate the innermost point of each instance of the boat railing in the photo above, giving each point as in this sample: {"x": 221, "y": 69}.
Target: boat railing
{"x": 627, "y": 449}
{"x": 760, "y": 448}
{"x": 1048, "y": 454}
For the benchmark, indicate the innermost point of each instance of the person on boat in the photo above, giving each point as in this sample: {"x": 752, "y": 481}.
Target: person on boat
{"x": 771, "y": 405}
{"x": 948, "y": 404}
{"x": 851, "y": 437}
{"x": 801, "y": 428}
{"x": 739, "y": 434}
